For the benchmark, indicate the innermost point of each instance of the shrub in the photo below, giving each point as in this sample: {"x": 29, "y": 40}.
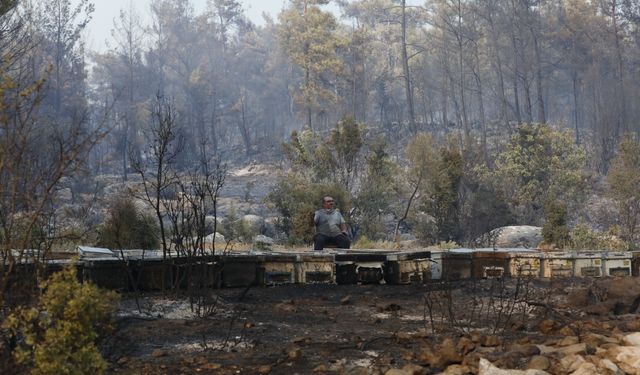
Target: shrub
{"x": 60, "y": 334}
{"x": 555, "y": 230}
{"x": 297, "y": 200}
{"x": 127, "y": 227}
{"x": 585, "y": 238}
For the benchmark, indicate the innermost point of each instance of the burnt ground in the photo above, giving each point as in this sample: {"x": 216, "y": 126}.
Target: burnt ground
{"x": 363, "y": 329}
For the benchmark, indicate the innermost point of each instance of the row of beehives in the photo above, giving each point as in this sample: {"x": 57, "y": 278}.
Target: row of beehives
{"x": 362, "y": 266}
{"x": 244, "y": 269}
{"x": 483, "y": 263}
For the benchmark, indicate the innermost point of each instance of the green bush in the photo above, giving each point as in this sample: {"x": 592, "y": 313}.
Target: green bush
{"x": 555, "y": 230}
{"x": 127, "y": 227}
{"x": 60, "y": 334}
{"x": 296, "y": 200}
{"x": 585, "y": 238}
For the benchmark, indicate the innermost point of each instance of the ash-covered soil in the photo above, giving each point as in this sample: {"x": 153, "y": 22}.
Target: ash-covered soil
{"x": 383, "y": 329}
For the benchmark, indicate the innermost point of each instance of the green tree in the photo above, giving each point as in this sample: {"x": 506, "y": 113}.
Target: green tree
{"x": 444, "y": 203}
{"x": 555, "y": 230}
{"x": 308, "y": 36}
{"x": 333, "y": 160}
{"x": 378, "y": 190}
{"x": 624, "y": 180}
{"x": 422, "y": 159}
{"x": 127, "y": 227}
{"x": 538, "y": 164}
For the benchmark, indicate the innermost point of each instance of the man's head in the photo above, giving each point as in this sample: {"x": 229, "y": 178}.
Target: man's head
{"x": 327, "y": 203}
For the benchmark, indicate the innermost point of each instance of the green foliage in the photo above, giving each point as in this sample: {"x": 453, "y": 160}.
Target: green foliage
{"x": 307, "y": 34}
{"x": 60, "y": 334}
{"x": 377, "y": 191}
{"x": 585, "y": 238}
{"x": 229, "y": 226}
{"x": 539, "y": 163}
{"x": 127, "y": 227}
{"x": 624, "y": 183}
{"x": 335, "y": 159}
{"x": 485, "y": 210}
{"x": 423, "y": 160}
{"x": 444, "y": 204}
{"x": 555, "y": 230}
{"x": 424, "y": 227}
{"x": 418, "y": 179}
{"x": 296, "y": 200}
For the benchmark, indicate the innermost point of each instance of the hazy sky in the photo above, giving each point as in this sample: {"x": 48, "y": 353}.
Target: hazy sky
{"x": 100, "y": 27}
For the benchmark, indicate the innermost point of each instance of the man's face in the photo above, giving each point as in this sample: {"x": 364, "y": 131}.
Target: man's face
{"x": 327, "y": 203}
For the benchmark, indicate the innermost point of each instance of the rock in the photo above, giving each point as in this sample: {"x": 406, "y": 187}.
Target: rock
{"x": 506, "y": 360}
{"x": 586, "y": 369}
{"x": 515, "y": 236}
{"x": 412, "y": 369}
{"x": 449, "y": 352}
{"x": 219, "y": 238}
{"x": 627, "y": 358}
{"x": 294, "y": 353}
{"x": 320, "y": 368}
{"x": 457, "y": 370}
{"x": 571, "y": 362}
{"x": 607, "y": 364}
{"x": 573, "y": 349}
{"x": 539, "y": 362}
{"x": 567, "y": 331}
{"x": 445, "y": 355}
{"x": 486, "y": 368}
{"x": 157, "y": 353}
{"x": 357, "y": 370}
{"x": 476, "y": 337}
{"x": 569, "y": 340}
{"x": 254, "y": 223}
{"x": 595, "y": 340}
{"x": 632, "y": 339}
{"x": 123, "y": 360}
{"x": 264, "y": 369}
{"x": 633, "y": 325}
{"x": 395, "y": 371}
{"x": 491, "y": 341}
{"x": 465, "y": 345}
{"x": 546, "y": 326}
{"x": 527, "y": 350}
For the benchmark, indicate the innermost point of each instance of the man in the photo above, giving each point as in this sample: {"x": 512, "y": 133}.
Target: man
{"x": 330, "y": 227}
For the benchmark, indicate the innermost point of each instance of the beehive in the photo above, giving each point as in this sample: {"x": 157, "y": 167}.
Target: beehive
{"x": 314, "y": 268}
{"x": 407, "y": 267}
{"x": 617, "y": 263}
{"x": 558, "y": 264}
{"x": 489, "y": 263}
{"x": 525, "y": 263}
{"x": 588, "y": 264}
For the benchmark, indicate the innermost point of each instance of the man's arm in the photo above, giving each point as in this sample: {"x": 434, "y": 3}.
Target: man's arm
{"x": 343, "y": 228}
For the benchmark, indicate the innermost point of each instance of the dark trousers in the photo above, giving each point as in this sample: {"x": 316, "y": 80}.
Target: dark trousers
{"x": 340, "y": 241}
